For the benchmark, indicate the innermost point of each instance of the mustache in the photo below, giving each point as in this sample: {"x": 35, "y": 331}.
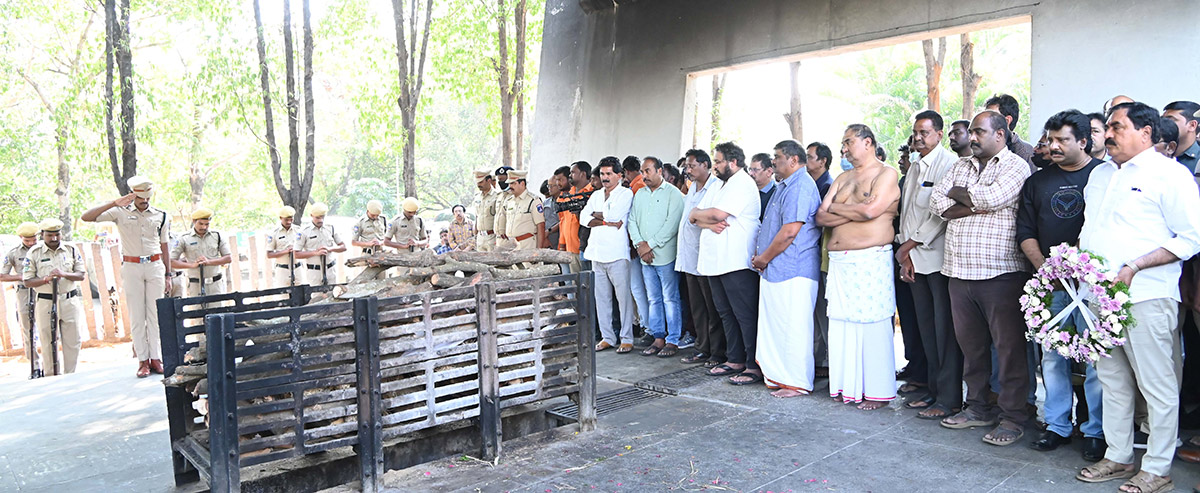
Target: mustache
{"x": 1110, "y": 142}
{"x": 1057, "y": 153}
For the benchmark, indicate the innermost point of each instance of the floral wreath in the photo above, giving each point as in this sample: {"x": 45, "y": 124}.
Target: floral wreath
{"x": 1085, "y": 278}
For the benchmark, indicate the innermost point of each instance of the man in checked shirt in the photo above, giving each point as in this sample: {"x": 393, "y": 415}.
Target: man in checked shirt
{"x": 987, "y": 272}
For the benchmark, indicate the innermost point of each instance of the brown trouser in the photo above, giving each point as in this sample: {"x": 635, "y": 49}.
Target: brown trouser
{"x": 988, "y": 312}
{"x": 710, "y": 334}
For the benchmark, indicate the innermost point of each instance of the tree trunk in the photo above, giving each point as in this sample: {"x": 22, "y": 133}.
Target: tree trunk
{"x": 412, "y": 73}
{"x": 310, "y": 122}
{"x": 519, "y": 84}
{"x": 124, "y": 57}
{"x": 293, "y": 106}
{"x": 110, "y": 31}
{"x": 506, "y": 89}
{"x": 970, "y": 79}
{"x": 62, "y": 189}
{"x": 718, "y": 90}
{"x": 933, "y": 72}
{"x": 695, "y": 116}
{"x": 795, "y": 123}
{"x": 196, "y": 176}
{"x": 264, "y": 77}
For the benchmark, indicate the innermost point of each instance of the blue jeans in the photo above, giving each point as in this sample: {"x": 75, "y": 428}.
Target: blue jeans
{"x": 1056, "y": 375}
{"x": 662, "y": 291}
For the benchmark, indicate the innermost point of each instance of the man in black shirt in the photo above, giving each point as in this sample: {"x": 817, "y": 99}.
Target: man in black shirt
{"x": 1051, "y": 213}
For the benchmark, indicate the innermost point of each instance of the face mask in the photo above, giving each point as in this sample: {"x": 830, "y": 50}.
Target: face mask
{"x": 846, "y": 166}
{"x": 503, "y": 185}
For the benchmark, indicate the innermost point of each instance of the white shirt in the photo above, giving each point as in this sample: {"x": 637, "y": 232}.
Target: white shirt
{"x": 917, "y": 221}
{"x": 689, "y": 234}
{"x": 731, "y": 250}
{"x": 607, "y": 243}
{"x": 1147, "y": 203}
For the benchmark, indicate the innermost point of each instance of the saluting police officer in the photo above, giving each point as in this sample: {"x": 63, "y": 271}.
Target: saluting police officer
{"x": 501, "y": 223}
{"x": 485, "y": 211}
{"x": 52, "y": 262}
{"x": 11, "y": 271}
{"x": 202, "y": 247}
{"x": 525, "y": 227}
{"x": 281, "y": 245}
{"x": 407, "y": 233}
{"x": 318, "y": 241}
{"x": 370, "y": 230}
{"x": 145, "y": 268}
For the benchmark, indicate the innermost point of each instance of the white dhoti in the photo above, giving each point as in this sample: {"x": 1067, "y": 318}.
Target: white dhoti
{"x": 862, "y": 300}
{"x": 785, "y": 332}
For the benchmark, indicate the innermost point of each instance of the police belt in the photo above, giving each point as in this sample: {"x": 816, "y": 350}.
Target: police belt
{"x": 490, "y": 232}
{"x": 142, "y": 260}
{"x": 524, "y": 237}
{"x": 47, "y": 296}
{"x": 212, "y": 279}
{"x": 318, "y": 266}
{"x": 284, "y": 266}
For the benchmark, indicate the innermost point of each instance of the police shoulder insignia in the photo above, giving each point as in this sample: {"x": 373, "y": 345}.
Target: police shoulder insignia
{"x": 539, "y": 207}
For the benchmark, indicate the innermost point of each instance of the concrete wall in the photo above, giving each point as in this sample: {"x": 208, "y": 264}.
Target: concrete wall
{"x": 616, "y": 82}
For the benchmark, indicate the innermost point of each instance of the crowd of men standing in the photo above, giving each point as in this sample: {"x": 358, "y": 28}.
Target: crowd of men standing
{"x": 779, "y": 275}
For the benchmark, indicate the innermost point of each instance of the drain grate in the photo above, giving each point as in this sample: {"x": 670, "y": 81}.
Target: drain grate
{"x": 609, "y": 402}
{"x": 672, "y": 382}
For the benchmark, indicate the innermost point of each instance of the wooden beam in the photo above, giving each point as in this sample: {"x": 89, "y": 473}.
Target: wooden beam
{"x": 115, "y": 254}
{"x": 110, "y": 327}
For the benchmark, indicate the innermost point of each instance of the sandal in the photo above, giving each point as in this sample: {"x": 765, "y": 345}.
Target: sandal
{"x": 753, "y": 378}
{"x": 911, "y": 387}
{"x": 668, "y": 351}
{"x": 723, "y": 369}
{"x": 1149, "y": 483}
{"x": 1105, "y": 470}
{"x": 693, "y": 359}
{"x": 602, "y": 345}
{"x": 624, "y": 348}
{"x": 651, "y": 350}
{"x": 922, "y": 403}
{"x": 966, "y": 419}
{"x": 713, "y": 363}
{"x": 936, "y": 411}
{"x": 1004, "y": 435}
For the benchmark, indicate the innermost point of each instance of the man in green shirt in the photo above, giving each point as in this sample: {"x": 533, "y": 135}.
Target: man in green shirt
{"x": 653, "y": 227}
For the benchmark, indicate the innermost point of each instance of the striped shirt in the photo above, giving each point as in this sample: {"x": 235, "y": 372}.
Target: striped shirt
{"x": 983, "y": 245}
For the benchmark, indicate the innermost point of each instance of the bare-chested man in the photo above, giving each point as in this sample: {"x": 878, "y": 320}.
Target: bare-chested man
{"x": 860, "y": 207}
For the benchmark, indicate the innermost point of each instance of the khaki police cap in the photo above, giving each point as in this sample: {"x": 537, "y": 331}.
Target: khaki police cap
{"x": 411, "y": 204}
{"x": 141, "y": 186}
{"x": 202, "y": 213}
{"x": 287, "y": 211}
{"x": 318, "y": 209}
{"x": 518, "y": 174}
{"x": 27, "y": 229}
{"x": 482, "y": 174}
{"x": 51, "y": 225}
{"x": 374, "y": 207}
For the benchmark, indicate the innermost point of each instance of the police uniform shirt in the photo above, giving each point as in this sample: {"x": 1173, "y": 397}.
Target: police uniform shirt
{"x": 192, "y": 246}
{"x": 14, "y": 260}
{"x": 312, "y": 238}
{"x": 404, "y": 229}
{"x": 141, "y": 231}
{"x": 485, "y": 209}
{"x": 501, "y": 221}
{"x": 523, "y": 214}
{"x": 41, "y": 261}
{"x": 281, "y": 239}
{"x": 368, "y": 229}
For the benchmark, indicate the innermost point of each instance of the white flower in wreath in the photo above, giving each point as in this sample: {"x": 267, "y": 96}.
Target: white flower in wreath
{"x": 1121, "y": 297}
{"x": 1114, "y": 320}
{"x": 1045, "y": 314}
{"x": 1064, "y": 351}
{"x": 1090, "y": 278}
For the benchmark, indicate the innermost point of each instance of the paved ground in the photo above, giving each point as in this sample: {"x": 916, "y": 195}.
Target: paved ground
{"x": 103, "y": 430}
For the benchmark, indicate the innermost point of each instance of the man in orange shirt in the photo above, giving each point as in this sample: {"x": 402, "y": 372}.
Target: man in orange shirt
{"x": 570, "y": 203}
{"x": 631, "y": 168}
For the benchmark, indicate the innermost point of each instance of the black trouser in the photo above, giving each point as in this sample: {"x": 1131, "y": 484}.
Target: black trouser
{"x": 910, "y": 332}
{"x": 710, "y": 335}
{"x": 735, "y": 294}
{"x": 931, "y": 297}
{"x": 988, "y": 312}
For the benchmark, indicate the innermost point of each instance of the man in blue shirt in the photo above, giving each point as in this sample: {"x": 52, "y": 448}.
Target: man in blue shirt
{"x": 763, "y": 171}
{"x": 788, "y": 258}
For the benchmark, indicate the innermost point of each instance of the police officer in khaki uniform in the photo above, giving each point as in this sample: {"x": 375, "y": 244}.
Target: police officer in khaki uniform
{"x": 144, "y": 267}
{"x": 525, "y": 227}
{"x": 370, "y": 230}
{"x": 407, "y": 233}
{"x": 11, "y": 271}
{"x": 47, "y": 263}
{"x": 176, "y": 280}
{"x": 202, "y": 247}
{"x": 485, "y": 211}
{"x": 318, "y": 241}
{"x": 503, "y": 241}
{"x": 281, "y": 243}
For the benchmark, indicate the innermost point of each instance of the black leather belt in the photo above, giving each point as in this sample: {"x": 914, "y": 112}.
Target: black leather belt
{"x": 284, "y": 266}
{"x": 318, "y": 267}
{"x": 214, "y": 278}
{"x": 47, "y": 296}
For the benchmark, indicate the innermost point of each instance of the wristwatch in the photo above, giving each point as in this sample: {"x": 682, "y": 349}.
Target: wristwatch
{"x": 1132, "y": 266}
